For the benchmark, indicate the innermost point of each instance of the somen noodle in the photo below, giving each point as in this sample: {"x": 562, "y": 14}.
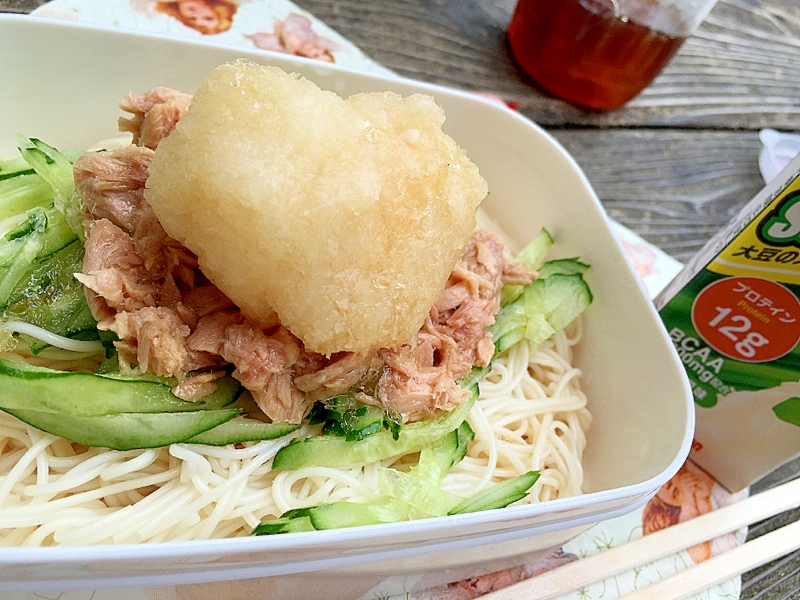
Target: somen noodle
{"x": 531, "y": 415}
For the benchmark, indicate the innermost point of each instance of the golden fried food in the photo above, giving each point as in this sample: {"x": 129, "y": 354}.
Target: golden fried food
{"x": 343, "y": 216}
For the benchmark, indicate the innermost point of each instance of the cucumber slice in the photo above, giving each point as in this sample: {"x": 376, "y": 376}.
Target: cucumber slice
{"x": 44, "y": 233}
{"x": 532, "y": 255}
{"x": 538, "y": 329}
{"x": 242, "y": 430}
{"x": 58, "y": 233}
{"x": 499, "y": 495}
{"x": 284, "y": 525}
{"x": 23, "y": 191}
{"x": 14, "y": 167}
{"x": 509, "y": 326}
{"x": 420, "y": 486}
{"x": 436, "y": 461}
{"x": 56, "y": 169}
{"x": 126, "y": 431}
{"x": 48, "y": 162}
{"x": 342, "y": 514}
{"x": 333, "y": 451}
{"x": 356, "y": 423}
{"x": 352, "y": 514}
{"x": 296, "y": 513}
{"x": 575, "y": 298}
{"x": 424, "y": 496}
{"x": 20, "y": 248}
{"x": 50, "y": 297}
{"x": 471, "y": 381}
{"x": 564, "y": 266}
{"x": 545, "y": 306}
{"x": 25, "y": 387}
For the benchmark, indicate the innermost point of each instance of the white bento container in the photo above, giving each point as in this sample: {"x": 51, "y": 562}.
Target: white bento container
{"x": 61, "y": 82}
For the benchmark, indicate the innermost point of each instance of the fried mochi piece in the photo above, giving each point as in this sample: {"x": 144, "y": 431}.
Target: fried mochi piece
{"x": 147, "y": 288}
{"x": 344, "y": 217}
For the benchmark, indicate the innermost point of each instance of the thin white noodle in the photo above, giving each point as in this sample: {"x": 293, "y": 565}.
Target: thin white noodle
{"x": 485, "y": 443}
{"x": 16, "y": 473}
{"x": 117, "y": 521}
{"x": 10, "y": 459}
{"x": 42, "y": 469}
{"x": 76, "y": 477}
{"x": 59, "y": 341}
{"x": 29, "y": 514}
{"x": 15, "y": 537}
{"x": 138, "y": 463}
{"x": 531, "y": 415}
{"x": 554, "y": 434}
{"x": 223, "y": 507}
{"x": 73, "y": 518}
{"x": 169, "y": 505}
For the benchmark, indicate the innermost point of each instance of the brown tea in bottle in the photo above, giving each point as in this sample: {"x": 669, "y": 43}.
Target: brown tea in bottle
{"x": 585, "y": 53}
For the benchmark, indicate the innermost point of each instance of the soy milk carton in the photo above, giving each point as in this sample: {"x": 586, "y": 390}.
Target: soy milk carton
{"x": 733, "y": 314}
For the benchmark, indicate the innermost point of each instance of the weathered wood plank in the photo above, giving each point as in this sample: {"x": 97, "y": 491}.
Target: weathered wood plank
{"x": 780, "y": 579}
{"x": 19, "y": 6}
{"x": 675, "y": 188}
{"x": 740, "y": 70}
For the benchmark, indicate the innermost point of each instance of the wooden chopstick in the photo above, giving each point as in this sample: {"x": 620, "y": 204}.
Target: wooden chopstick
{"x": 722, "y": 567}
{"x": 667, "y": 541}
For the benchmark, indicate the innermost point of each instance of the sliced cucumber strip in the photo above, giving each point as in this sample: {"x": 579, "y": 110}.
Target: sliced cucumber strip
{"x": 50, "y": 297}
{"x": 14, "y": 167}
{"x": 350, "y": 514}
{"x": 23, "y": 191}
{"x": 564, "y": 266}
{"x": 284, "y": 525}
{"x": 355, "y": 424}
{"x": 342, "y": 514}
{"x": 436, "y": 461}
{"x": 50, "y": 164}
{"x": 424, "y": 496}
{"x": 532, "y": 255}
{"x": 334, "y": 451}
{"x": 545, "y": 306}
{"x": 126, "y": 431}
{"x": 25, "y": 387}
{"x": 242, "y": 430}
{"x": 499, "y": 495}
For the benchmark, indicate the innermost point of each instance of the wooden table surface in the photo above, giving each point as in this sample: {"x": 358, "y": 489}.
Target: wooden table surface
{"x": 674, "y": 165}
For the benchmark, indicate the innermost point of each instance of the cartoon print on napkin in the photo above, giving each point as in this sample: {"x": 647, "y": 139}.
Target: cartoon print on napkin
{"x": 474, "y": 587}
{"x": 295, "y": 36}
{"x": 208, "y": 17}
{"x": 690, "y": 493}
{"x": 686, "y": 495}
